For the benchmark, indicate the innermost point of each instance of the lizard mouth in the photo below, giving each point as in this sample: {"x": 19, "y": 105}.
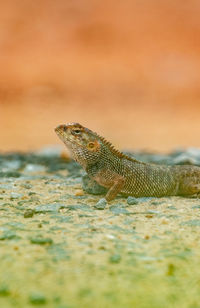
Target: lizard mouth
{"x": 64, "y": 133}
{"x": 60, "y": 130}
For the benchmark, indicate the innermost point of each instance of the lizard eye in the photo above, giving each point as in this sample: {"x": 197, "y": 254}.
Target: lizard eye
{"x": 76, "y": 131}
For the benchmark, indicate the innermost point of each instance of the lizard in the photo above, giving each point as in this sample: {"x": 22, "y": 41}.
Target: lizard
{"x": 122, "y": 174}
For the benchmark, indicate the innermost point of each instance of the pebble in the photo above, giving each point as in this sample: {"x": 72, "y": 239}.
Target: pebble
{"x": 79, "y": 193}
{"x": 193, "y": 222}
{"x": 10, "y": 174}
{"x": 8, "y": 235}
{"x": 116, "y": 258}
{"x": 46, "y": 208}
{"x": 145, "y": 199}
{"x": 27, "y": 186}
{"x": 117, "y": 210}
{"x": 132, "y": 200}
{"x": 11, "y": 165}
{"x": 171, "y": 207}
{"x": 6, "y": 186}
{"x": 184, "y": 159}
{"x": 4, "y": 290}
{"x": 15, "y": 195}
{"x": 165, "y": 221}
{"x": 37, "y": 298}
{"x": 50, "y": 151}
{"x": 196, "y": 207}
{"x": 101, "y": 204}
{"x": 186, "y": 156}
{"x": 41, "y": 240}
{"x": 156, "y": 202}
{"x": 34, "y": 168}
{"x": 110, "y": 236}
{"x": 29, "y": 213}
{"x": 153, "y": 212}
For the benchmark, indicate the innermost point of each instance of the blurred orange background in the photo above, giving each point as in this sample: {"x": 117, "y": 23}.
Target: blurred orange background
{"x": 129, "y": 70}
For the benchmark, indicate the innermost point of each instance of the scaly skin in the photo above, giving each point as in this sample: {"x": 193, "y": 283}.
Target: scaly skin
{"x": 122, "y": 174}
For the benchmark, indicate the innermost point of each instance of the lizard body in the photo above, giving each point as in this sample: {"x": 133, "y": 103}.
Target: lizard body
{"x": 123, "y": 174}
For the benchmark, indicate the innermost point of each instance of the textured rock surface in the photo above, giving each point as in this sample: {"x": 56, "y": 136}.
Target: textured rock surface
{"x": 59, "y": 250}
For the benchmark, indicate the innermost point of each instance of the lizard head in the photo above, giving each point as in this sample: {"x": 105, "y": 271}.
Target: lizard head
{"x": 83, "y": 144}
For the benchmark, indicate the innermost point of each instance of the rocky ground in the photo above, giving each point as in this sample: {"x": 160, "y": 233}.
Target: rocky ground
{"x": 63, "y": 247}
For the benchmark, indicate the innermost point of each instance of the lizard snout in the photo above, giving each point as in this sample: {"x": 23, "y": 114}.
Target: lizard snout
{"x": 61, "y": 127}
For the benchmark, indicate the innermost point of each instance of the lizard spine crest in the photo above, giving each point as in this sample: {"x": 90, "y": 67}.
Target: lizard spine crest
{"x": 117, "y": 152}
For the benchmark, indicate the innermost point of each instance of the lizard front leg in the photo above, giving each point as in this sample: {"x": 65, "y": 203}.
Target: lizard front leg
{"x": 115, "y": 188}
{"x": 111, "y": 180}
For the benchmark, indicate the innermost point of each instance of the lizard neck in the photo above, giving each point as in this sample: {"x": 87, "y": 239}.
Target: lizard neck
{"x": 93, "y": 168}
{"x": 105, "y": 160}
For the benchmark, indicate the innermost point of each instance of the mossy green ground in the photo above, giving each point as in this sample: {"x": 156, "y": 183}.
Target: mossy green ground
{"x": 68, "y": 254}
